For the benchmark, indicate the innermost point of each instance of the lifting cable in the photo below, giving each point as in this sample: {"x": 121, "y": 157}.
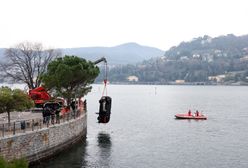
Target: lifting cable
{"x": 105, "y": 81}
{"x": 105, "y": 101}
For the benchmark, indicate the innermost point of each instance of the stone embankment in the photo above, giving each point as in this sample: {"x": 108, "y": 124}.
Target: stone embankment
{"x": 43, "y": 140}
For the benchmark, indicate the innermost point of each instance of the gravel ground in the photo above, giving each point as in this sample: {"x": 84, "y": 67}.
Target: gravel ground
{"x": 19, "y": 116}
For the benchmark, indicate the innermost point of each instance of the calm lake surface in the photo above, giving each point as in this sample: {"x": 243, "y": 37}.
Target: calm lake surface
{"x": 143, "y": 133}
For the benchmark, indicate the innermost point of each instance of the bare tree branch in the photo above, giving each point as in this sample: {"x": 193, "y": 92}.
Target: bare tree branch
{"x": 26, "y": 62}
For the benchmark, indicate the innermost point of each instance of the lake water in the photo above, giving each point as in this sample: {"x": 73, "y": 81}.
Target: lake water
{"x": 143, "y": 132}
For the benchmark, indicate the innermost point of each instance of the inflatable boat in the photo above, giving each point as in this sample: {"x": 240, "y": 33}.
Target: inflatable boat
{"x": 187, "y": 116}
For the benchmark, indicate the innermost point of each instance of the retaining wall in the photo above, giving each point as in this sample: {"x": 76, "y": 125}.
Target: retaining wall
{"x": 45, "y": 142}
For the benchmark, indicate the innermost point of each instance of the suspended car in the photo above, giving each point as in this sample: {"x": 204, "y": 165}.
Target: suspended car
{"x": 104, "y": 109}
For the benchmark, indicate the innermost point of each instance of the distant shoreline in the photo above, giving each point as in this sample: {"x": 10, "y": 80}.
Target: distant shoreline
{"x": 173, "y": 83}
{"x": 24, "y": 87}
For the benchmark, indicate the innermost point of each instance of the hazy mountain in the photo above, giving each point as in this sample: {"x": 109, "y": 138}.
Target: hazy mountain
{"x": 129, "y": 53}
{"x": 1, "y": 52}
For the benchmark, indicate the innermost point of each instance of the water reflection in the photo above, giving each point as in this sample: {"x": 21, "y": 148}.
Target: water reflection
{"x": 74, "y": 157}
{"x": 104, "y": 143}
{"x": 104, "y": 140}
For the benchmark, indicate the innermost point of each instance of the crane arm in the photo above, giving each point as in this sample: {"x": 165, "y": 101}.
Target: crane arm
{"x": 103, "y": 59}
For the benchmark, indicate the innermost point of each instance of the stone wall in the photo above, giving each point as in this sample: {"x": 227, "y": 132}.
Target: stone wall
{"x": 45, "y": 142}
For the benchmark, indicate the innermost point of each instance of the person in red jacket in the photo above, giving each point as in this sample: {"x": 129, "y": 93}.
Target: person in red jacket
{"x": 189, "y": 113}
{"x": 197, "y": 113}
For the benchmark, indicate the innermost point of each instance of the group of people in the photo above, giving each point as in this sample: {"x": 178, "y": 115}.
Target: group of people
{"x": 50, "y": 112}
{"x": 197, "y": 113}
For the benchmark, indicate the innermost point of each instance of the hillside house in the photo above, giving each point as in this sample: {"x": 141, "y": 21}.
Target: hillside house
{"x": 132, "y": 78}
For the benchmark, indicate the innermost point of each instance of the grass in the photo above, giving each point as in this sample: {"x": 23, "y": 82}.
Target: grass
{"x": 16, "y": 163}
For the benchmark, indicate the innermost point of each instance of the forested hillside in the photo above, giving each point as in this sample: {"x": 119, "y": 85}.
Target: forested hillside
{"x": 222, "y": 59}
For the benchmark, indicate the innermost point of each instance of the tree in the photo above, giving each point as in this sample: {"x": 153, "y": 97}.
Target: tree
{"x": 70, "y": 76}
{"x": 11, "y": 100}
{"x": 26, "y": 62}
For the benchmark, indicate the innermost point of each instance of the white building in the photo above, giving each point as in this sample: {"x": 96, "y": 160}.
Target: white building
{"x": 132, "y": 78}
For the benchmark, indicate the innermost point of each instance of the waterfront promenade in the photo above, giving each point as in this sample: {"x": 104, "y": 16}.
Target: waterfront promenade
{"x": 22, "y": 122}
{"x": 29, "y": 137}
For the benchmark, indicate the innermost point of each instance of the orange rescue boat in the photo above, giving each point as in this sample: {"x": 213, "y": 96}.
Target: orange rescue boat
{"x": 198, "y": 116}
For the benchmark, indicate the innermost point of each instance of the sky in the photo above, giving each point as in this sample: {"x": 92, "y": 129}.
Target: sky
{"x": 87, "y": 23}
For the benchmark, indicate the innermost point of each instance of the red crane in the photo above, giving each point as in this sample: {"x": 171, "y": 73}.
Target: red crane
{"x": 40, "y": 96}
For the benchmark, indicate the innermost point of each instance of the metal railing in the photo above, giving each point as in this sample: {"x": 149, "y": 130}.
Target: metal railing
{"x": 17, "y": 127}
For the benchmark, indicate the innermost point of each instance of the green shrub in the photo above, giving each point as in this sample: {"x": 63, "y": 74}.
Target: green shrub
{"x": 3, "y": 163}
{"x": 16, "y": 163}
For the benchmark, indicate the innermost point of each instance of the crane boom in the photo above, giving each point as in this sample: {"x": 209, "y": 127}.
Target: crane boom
{"x": 100, "y": 60}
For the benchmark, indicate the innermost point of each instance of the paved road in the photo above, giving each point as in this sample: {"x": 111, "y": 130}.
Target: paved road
{"x": 19, "y": 116}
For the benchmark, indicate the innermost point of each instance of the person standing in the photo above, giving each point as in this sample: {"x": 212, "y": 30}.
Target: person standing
{"x": 57, "y": 116}
{"x": 73, "y": 107}
{"x": 52, "y": 113}
{"x": 47, "y": 113}
{"x": 44, "y": 115}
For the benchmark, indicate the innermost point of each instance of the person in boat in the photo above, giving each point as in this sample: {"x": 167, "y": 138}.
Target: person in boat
{"x": 197, "y": 113}
{"x": 189, "y": 113}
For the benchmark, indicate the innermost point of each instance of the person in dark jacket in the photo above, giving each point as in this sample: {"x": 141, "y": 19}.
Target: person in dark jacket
{"x": 44, "y": 115}
{"x": 47, "y": 114}
{"x": 73, "y": 107}
{"x": 57, "y": 116}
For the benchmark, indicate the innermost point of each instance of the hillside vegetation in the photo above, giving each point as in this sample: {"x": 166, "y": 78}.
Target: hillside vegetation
{"x": 222, "y": 59}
